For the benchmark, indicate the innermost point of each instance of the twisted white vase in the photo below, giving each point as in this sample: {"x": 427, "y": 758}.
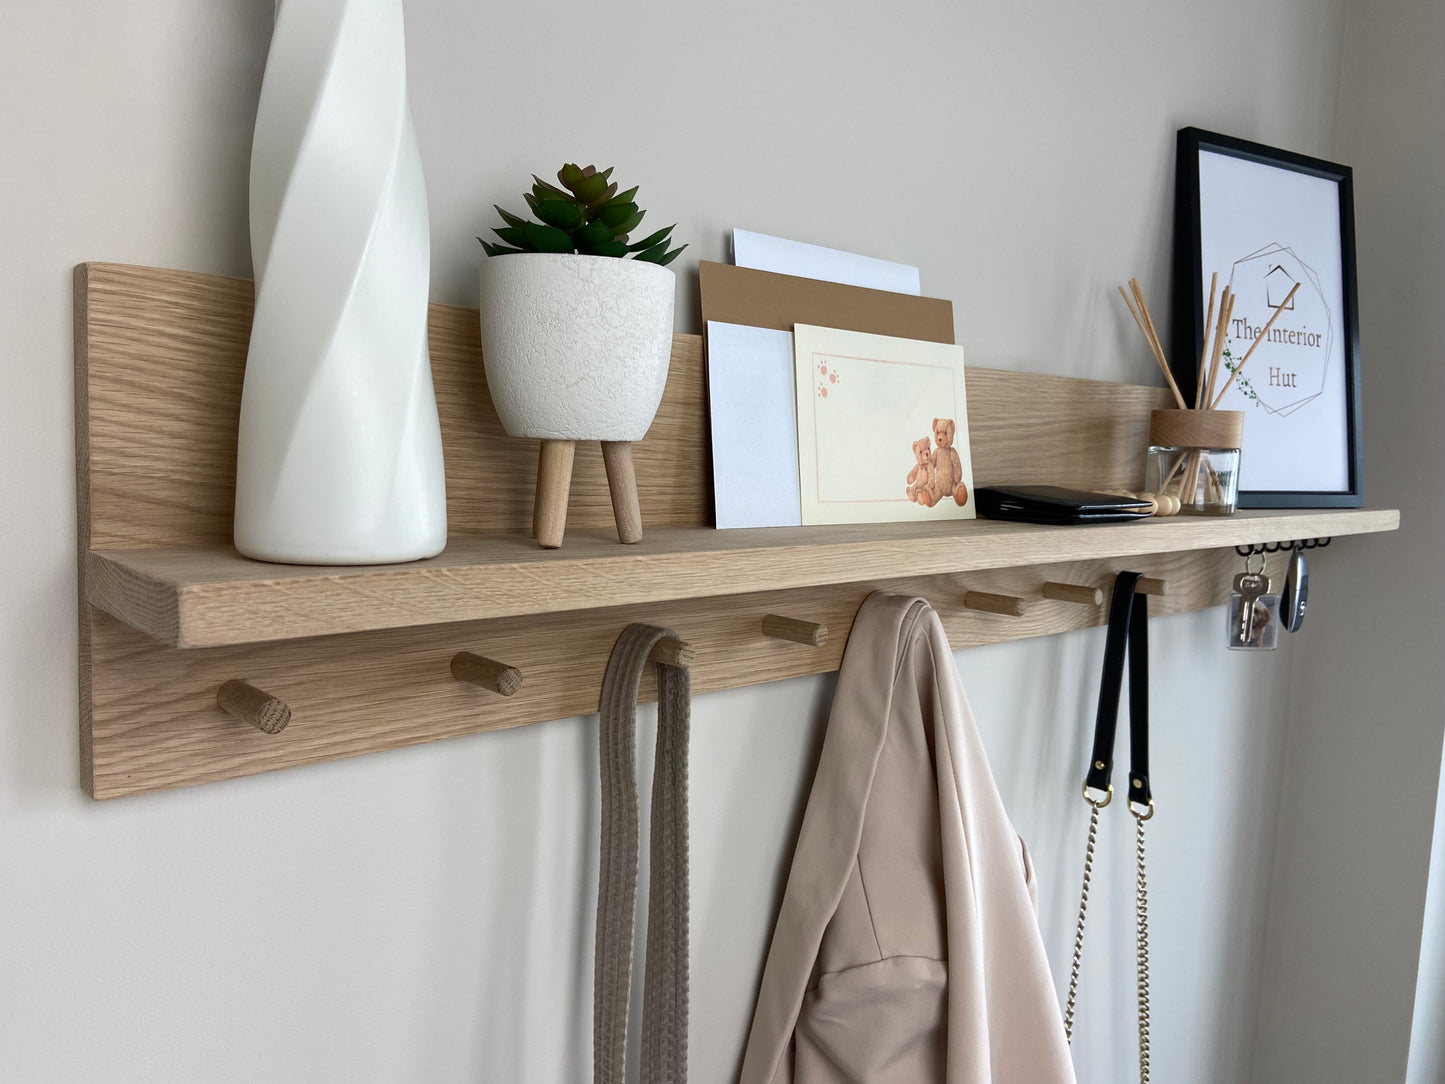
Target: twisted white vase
{"x": 339, "y": 459}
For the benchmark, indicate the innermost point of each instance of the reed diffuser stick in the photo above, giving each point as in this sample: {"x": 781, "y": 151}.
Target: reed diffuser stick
{"x": 1264, "y": 332}
{"x": 1204, "y": 347}
{"x": 1221, "y": 336}
{"x": 1146, "y": 329}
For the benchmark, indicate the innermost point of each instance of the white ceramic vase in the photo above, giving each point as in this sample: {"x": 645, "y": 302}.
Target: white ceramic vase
{"x": 339, "y": 457}
{"x": 576, "y": 347}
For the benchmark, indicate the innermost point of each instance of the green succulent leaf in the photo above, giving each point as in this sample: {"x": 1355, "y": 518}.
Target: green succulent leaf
{"x": 651, "y": 239}
{"x": 615, "y": 249}
{"x": 653, "y": 254}
{"x": 509, "y": 218}
{"x": 590, "y": 189}
{"x": 615, "y": 214}
{"x": 622, "y": 229}
{"x": 571, "y": 176}
{"x": 586, "y": 214}
{"x": 548, "y": 191}
{"x": 594, "y": 233}
{"x": 564, "y": 214}
{"x": 513, "y": 235}
{"x": 547, "y": 238}
{"x": 606, "y": 196}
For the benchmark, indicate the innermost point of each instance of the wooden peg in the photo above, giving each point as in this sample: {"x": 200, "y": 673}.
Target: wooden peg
{"x": 1008, "y": 605}
{"x": 1147, "y": 586}
{"x": 554, "y": 486}
{"x": 251, "y": 705}
{"x": 487, "y": 673}
{"x": 622, "y": 484}
{"x": 672, "y": 652}
{"x": 799, "y": 632}
{"x": 1074, "y": 592}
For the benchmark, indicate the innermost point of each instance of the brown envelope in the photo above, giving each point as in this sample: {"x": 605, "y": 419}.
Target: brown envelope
{"x": 741, "y": 295}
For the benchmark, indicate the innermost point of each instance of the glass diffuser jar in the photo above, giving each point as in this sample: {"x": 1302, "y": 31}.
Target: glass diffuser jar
{"x": 1194, "y": 457}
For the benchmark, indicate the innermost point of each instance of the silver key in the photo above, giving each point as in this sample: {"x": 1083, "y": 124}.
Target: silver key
{"x": 1249, "y": 586}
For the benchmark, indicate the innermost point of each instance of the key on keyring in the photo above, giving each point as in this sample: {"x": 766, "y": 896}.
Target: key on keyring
{"x": 1249, "y": 586}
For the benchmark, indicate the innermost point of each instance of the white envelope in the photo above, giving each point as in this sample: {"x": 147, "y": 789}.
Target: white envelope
{"x": 765, "y": 253}
{"x": 754, "y": 426}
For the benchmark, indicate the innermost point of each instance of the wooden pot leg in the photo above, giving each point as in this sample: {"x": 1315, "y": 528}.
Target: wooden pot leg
{"x": 554, "y": 484}
{"x": 622, "y": 482}
{"x": 537, "y": 496}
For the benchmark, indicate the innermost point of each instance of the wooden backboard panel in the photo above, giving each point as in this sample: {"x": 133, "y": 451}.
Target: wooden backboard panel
{"x": 159, "y": 360}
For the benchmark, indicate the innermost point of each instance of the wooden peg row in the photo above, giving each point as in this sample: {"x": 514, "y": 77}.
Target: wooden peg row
{"x": 1073, "y": 592}
{"x": 799, "y": 632}
{"x": 486, "y": 673}
{"x": 250, "y": 705}
{"x": 1147, "y": 586}
{"x": 1007, "y": 605}
{"x": 672, "y": 652}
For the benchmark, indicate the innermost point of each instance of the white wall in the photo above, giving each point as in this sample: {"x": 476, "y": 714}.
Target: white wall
{"x": 424, "y": 914}
{"x": 1368, "y": 704}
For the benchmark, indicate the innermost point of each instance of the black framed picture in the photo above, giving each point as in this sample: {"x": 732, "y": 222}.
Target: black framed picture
{"x": 1279, "y": 229}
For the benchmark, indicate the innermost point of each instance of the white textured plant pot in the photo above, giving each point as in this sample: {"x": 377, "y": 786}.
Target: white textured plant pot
{"x": 575, "y": 347}
{"x": 339, "y": 457}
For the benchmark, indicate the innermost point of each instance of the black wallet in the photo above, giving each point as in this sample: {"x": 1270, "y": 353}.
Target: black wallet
{"x": 1054, "y": 504}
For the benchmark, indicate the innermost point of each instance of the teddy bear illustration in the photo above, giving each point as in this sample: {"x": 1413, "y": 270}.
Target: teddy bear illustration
{"x": 947, "y": 467}
{"x": 920, "y": 478}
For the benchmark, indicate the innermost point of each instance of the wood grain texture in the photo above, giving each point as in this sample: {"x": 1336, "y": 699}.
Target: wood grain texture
{"x": 990, "y": 603}
{"x": 486, "y": 673}
{"x": 163, "y": 397}
{"x": 209, "y": 596}
{"x": 362, "y": 655}
{"x": 253, "y": 706}
{"x": 795, "y": 630}
{"x": 156, "y": 724}
{"x": 1073, "y": 592}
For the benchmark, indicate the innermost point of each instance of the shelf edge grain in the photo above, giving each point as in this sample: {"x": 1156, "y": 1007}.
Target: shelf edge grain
{"x": 211, "y": 597}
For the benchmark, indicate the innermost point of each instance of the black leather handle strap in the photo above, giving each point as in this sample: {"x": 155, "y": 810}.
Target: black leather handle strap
{"x": 1128, "y": 635}
{"x": 1139, "y": 702}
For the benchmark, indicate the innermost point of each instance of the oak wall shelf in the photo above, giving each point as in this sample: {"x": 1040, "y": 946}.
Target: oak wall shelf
{"x": 211, "y": 596}
{"x": 361, "y": 655}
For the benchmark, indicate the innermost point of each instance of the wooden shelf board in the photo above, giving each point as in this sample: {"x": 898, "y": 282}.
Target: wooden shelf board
{"x": 210, "y": 596}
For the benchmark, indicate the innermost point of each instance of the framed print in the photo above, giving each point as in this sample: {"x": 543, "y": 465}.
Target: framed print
{"x": 1267, "y": 220}
{"x": 882, "y": 428}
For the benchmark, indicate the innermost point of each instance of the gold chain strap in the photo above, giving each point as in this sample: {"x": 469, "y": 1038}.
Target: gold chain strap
{"x": 1079, "y": 930}
{"x": 1141, "y": 927}
{"x": 1141, "y": 940}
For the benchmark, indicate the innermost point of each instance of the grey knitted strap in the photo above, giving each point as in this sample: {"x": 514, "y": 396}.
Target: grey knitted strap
{"x": 665, "y": 992}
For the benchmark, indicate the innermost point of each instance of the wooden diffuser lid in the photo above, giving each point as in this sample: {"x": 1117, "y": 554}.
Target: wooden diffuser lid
{"x": 1196, "y": 428}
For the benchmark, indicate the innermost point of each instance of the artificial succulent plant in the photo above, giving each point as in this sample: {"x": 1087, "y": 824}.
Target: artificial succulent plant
{"x": 587, "y": 215}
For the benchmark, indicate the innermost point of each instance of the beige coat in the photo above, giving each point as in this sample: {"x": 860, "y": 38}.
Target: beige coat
{"x": 907, "y": 948}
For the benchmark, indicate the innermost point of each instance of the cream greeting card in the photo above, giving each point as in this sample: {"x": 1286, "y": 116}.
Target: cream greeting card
{"x": 882, "y": 428}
